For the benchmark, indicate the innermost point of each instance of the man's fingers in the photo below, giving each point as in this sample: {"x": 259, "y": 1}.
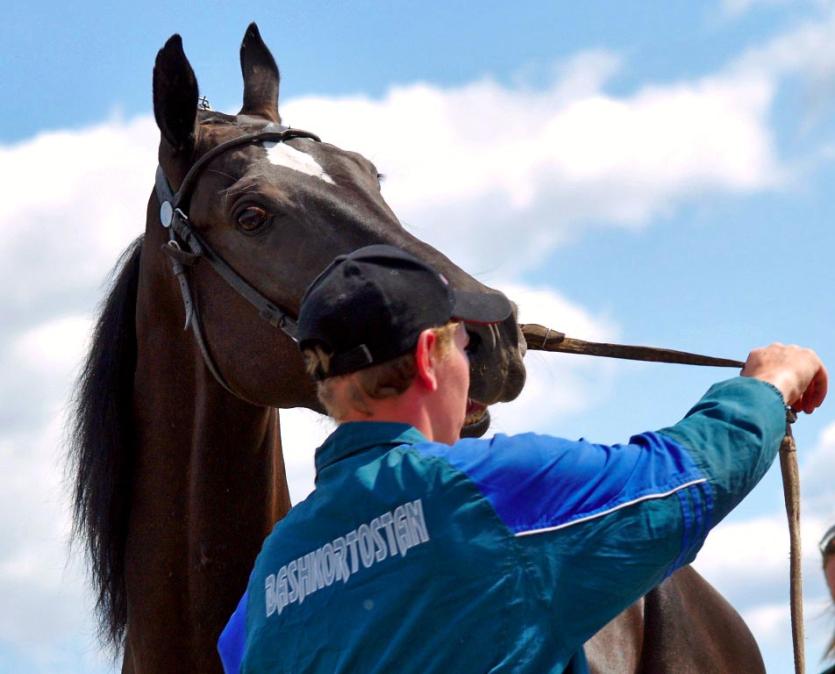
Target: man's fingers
{"x": 823, "y": 383}
{"x": 798, "y": 373}
{"x": 815, "y": 393}
{"x": 817, "y": 389}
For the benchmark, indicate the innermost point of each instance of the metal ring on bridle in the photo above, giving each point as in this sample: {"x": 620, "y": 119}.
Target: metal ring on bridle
{"x": 166, "y": 213}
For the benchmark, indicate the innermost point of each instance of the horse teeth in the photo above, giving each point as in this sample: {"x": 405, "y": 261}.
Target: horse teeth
{"x": 473, "y": 418}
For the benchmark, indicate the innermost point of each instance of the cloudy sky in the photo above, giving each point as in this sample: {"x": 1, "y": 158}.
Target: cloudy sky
{"x": 658, "y": 173}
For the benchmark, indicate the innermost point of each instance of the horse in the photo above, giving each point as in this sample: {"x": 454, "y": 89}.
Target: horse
{"x": 682, "y": 626}
{"x": 178, "y": 471}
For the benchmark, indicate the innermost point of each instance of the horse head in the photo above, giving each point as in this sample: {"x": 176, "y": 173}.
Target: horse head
{"x": 277, "y": 210}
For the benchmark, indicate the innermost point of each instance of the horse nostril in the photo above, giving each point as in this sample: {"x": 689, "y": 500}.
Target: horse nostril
{"x": 474, "y": 343}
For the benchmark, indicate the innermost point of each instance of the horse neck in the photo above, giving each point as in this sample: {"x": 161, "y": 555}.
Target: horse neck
{"x": 209, "y": 483}
{"x": 209, "y": 453}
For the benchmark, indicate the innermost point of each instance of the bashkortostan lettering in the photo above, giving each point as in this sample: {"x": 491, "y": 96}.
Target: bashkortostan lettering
{"x": 392, "y": 533}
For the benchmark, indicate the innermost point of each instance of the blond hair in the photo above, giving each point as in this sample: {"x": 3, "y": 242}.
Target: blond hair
{"x": 343, "y": 394}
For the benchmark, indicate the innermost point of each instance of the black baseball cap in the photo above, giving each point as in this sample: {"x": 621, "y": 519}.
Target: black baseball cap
{"x": 370, "y": 306}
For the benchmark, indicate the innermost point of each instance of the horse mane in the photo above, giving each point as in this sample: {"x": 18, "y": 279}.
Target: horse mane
{"x": 102, "y": 446}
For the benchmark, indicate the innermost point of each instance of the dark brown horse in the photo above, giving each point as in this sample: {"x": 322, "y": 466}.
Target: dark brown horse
{"x": 683, "y": 626}
{"x": 178, "y": 467}
{"x": 178, "y": 479}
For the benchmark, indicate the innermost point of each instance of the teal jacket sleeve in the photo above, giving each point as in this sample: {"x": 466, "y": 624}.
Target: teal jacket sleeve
{"x": 599, "y": 525}
{"x": 733, "y": 434}
{"x": 597, "y": 567}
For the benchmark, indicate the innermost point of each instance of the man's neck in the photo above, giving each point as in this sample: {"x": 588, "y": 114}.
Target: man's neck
{"x": 402, "y": 409}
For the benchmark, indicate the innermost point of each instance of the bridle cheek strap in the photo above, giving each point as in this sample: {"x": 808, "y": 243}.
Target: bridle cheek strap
{"x": 185, "y": 247}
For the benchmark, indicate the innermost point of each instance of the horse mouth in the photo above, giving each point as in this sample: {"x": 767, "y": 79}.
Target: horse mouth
{"x": 476, "y": 421}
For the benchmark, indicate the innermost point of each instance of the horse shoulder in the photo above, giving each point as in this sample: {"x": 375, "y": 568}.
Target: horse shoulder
{"x": 683, "y": 626}
{"x": 690, "y": 627}
{"x": 618, "y": 646}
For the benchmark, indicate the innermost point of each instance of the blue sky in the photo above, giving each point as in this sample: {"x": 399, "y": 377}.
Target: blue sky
{"x": 68, "y": 66}
{"x": 656, "y": 173}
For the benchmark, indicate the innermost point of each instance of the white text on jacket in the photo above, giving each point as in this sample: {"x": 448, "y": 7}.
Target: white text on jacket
{"x": 392, "y": 533}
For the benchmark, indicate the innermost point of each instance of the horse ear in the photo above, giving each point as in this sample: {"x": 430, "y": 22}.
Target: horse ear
{"x": 175, "y": 95}
{"x": 261, "y": 77}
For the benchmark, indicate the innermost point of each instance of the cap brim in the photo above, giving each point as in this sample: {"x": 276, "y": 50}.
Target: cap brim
{"x": 480, "y": 307}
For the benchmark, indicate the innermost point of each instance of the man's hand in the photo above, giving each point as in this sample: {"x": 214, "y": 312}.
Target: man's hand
{"x": 796, "y": 372}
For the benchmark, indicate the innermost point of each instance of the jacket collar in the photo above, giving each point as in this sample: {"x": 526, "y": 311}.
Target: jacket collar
{"x": 354, "y": 437}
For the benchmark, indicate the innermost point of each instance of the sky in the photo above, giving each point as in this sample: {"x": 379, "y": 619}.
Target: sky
{"x": 654, "y": 173}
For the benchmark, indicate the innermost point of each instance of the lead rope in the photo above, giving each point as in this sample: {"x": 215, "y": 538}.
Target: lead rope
{"x": 540, "y": 338}
{"x": 791, "y": 494}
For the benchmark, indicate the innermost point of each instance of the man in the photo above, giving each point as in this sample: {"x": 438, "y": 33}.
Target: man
{"x": 420, "y": 552}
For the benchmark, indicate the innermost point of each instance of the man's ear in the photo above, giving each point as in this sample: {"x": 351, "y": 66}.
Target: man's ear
{"x": 425, "y": 373}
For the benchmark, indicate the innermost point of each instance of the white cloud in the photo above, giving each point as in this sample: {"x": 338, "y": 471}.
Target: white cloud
{"x": 43, "y": 594}
{"x": 736, "y": 8}
{"x": 755, "y": 551}
{"x": 817, "y": 472}
{"x": 805, "y": 50}
{"x": 302, "y": 431}
{"x": 55, "y": 346}
{"x": 545, "y": 306}
{"x": 39, "y": 364}
{"x": 510, "y": 172}
{"x": 805, "y": 54}
{"x": 557, "y": 384}
{"x": 769, "y": 621}
{"x": 79, "y": 199}
{"x": 771, "y": 626}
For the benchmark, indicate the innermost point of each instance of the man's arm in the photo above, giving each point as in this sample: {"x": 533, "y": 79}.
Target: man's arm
{"x": 603, "y": 525}
{"x": 732, "y": 435}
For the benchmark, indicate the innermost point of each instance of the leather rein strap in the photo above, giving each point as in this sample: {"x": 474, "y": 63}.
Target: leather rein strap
{"x": 185, "y": 246}
{"x": 540, "y": 338}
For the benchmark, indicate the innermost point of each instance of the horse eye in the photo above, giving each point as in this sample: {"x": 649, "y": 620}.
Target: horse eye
{"x": 252, "y": 217}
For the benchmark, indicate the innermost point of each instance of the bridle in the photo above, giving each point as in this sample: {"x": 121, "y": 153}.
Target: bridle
{"x": 185, "y": 246}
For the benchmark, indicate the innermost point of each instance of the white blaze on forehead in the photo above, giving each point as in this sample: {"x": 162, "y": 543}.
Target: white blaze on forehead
{"x": 282, "y": 154}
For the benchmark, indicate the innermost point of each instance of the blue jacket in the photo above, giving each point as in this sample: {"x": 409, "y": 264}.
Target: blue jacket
{"x": 495, "y": 555}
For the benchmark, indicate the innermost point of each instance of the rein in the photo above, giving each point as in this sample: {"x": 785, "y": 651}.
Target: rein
{"x": 540, "y": 338}
{"x": 185, "y": 246}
